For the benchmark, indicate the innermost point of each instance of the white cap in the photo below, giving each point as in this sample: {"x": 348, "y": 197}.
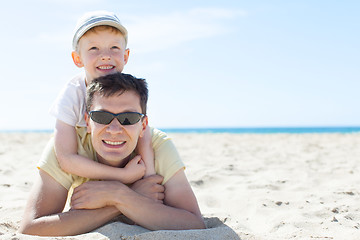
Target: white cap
{"x": 93, "y": 19}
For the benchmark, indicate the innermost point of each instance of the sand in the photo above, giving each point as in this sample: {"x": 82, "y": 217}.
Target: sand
{"x": 249, "y": 186}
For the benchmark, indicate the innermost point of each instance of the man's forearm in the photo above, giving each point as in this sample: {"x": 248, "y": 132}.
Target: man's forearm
{"x": 154, "y": 215}
{"x": 182, "y": 212}
{"x": 70, "y": 223}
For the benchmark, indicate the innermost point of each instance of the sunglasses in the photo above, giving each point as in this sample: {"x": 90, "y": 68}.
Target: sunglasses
{"x": 125, "y": 118}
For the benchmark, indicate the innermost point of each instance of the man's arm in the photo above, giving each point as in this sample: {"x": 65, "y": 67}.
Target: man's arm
{"x": 180, "y": 212}
{"x": 43, "y": 214}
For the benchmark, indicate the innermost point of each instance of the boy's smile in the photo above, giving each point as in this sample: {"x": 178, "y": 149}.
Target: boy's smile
{"x": 105, "y": 67}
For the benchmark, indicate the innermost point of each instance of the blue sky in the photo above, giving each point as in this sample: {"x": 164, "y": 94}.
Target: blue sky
{"x": 207, "y": 63}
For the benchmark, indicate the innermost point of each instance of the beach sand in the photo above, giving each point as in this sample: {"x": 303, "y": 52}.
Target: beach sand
{"x": 249, "y": 186}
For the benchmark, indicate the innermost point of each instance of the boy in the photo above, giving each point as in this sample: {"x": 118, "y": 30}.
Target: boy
{"x": 99, "y": 46}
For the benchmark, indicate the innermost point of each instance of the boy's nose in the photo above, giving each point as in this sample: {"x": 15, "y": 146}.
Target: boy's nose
{"x": 105, "y": 57}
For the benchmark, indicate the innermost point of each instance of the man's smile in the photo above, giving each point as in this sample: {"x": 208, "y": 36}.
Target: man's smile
{"x": 114, "y": 143}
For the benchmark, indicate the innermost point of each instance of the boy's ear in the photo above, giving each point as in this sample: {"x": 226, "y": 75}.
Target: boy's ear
{"x": 126, "y": 55}
{"x": 77, "y": 60}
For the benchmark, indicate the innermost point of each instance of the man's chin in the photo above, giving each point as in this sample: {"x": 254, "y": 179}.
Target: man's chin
{"x": 114, "y": 160}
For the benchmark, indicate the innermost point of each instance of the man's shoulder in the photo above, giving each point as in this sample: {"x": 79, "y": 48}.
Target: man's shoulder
{"x": 158, "y": 136}
{"x": 167, "y": 158}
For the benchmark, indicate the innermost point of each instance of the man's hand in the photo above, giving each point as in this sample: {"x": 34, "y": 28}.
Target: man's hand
{"x": 95, "y": 194}
{"x": 98, "y": 194}
{"x": 150, "y": 187}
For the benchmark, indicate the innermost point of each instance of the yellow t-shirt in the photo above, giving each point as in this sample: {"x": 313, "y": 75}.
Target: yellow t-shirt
{"x": 167, "y": 159}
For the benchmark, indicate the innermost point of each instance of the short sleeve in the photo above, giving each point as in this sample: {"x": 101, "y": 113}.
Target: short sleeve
{"x": 70, "y": 106}
{"x": 167, "y": 158}
{"x": 48, "y": 163}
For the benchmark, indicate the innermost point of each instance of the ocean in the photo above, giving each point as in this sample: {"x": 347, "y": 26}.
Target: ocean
{"x": 238, "y": 130}
{"x": 264, "y": 130}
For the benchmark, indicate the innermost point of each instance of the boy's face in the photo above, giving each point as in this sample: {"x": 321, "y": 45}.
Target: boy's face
{"x": 101, "y": 52}
{"x": 114, "y": 142}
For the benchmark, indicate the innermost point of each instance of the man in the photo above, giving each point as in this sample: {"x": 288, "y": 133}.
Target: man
{"x": 116, "y": 120}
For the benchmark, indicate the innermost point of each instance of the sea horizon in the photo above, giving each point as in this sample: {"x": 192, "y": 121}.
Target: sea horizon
{"x": 234, "y": 130}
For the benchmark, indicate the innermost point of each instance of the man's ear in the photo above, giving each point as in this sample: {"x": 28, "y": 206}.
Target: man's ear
{"x": 76, "y": 58}
{"x": 87, "y": 119}
{"x": 144, "y": 124}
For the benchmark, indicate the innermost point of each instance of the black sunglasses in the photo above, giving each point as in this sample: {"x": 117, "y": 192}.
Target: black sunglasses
{"x": 125, "y": 118}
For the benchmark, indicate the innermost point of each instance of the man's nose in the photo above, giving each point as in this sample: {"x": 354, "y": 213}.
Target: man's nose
{"x": 114, "y": 126}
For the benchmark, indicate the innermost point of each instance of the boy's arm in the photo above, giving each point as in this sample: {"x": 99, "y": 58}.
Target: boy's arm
{"x": 145, "y": 149}
{"x": 71, "y": 162}
{"x": 43, "y": 214}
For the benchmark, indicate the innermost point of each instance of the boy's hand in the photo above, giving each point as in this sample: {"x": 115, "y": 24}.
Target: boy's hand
{"x": 135, "y": 169}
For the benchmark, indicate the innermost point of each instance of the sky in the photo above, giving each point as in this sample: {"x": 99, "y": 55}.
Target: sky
{"x": 208, "y": 63}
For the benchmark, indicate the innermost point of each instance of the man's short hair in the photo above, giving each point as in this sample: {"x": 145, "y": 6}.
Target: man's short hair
{"x": 117, "y": 83}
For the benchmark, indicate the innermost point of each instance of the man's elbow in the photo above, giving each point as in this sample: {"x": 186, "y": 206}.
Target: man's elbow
{"x": 196, "y": 223}
{"x": 35, "y": 230}
{"x": 25, "y": 228}
{"x": 30, "y": 228}
{"x": 200, "y": 224}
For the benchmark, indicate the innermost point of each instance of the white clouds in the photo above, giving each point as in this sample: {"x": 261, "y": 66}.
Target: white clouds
{"x": 159, "y": 32}
{"x": 151, "y": 33}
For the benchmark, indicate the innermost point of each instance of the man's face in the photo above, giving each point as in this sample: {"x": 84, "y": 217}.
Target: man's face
{"x": 114, "y": 142}
{"x": 101, "y": 52}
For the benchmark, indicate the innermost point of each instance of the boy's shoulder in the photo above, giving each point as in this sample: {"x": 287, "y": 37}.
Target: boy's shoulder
{"x": 76, "y": 85}
{"x": 77, "y": 80}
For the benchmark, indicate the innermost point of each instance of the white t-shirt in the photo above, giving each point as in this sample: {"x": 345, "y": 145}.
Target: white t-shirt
{"x": 70, "y": 105}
